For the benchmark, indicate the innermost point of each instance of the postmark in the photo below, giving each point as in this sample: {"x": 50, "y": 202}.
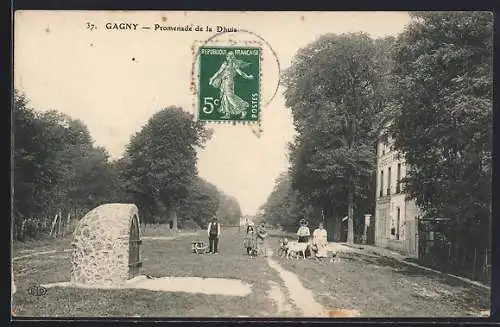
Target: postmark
{"x": 229, "y": 83}
{"x": 269, "y": 82}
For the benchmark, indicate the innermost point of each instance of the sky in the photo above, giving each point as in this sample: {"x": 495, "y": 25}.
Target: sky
{"x": 115, "y": 80}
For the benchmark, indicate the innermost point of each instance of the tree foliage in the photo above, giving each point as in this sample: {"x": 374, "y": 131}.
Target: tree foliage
{"x": 283, "y": 206}
{"x": 200, "y": 205}
{"x": 160, "y": 162}
{"x": 229, "y": 212}
{"x": 56, "y": 167}
{"x": 337, "y": 88}
{"x": 444, "y": 76}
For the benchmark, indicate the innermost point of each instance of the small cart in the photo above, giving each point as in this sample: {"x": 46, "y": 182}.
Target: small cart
{"x": 199, "y": 247}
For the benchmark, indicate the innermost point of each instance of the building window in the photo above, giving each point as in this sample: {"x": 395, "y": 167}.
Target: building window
{"x": 398, "y": 183}
{"x": 381, "y": 182}
{"x": 388, "y": 180}
{"x": 383, "y": 148}
{"x": 398, "y": 222}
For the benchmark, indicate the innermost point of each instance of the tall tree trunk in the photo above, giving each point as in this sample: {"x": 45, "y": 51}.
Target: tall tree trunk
{"x": 337, "y": 228}
{"x": 350, "y": 217}
{"x": 333, "y": 226}
{"x": 173, "y": 218}
{"x": 163, "y": 212}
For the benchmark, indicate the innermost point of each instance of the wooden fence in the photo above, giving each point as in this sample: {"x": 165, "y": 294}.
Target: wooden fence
{"x": 437, "y": 251}
{"x": 470, "y": 262}
{"x": 60, "y": 225}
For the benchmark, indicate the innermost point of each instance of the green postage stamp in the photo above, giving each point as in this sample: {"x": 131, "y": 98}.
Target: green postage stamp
{"x": 229, "y": 84}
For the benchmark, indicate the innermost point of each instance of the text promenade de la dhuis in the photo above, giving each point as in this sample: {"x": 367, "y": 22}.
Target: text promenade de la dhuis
{"x": 169, "y": 28}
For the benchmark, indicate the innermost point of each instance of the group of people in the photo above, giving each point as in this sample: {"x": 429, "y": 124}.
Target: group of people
{"x": 255, "y": 238}
{"x": 319, "y": 242}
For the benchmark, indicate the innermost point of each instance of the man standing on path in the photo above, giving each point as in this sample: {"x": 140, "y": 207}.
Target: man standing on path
{"x": 213, "y": 235}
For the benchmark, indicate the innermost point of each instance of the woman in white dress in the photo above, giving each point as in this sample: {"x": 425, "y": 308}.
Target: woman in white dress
{"x": 320, "y": 241}
{"x": 261, "y": 239}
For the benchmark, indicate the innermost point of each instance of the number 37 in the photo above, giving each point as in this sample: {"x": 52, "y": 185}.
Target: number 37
{"x": 209, "y": 105}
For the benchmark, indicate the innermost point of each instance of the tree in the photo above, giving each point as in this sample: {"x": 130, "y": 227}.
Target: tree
{"x": 285, "y": 206}
{"x": 57, "y": 169}
{"x": 337, "y": 89}
{"x": 443, "y": 127}
{"x": 229, "y": 211}
{"x": 160, "y": 162}
{"x": 201, "y": 204}
{"x": 278, "y": 202}
{"x": 28, "y": 170}
{"x": 115, "y": 186}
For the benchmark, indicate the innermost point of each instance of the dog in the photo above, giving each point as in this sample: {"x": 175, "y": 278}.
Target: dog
{"x": 282, "y": 250}
{"x": 295, "y": 248}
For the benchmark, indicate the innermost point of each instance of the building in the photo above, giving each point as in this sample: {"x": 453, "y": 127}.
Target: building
{"x": 396, "y": 219}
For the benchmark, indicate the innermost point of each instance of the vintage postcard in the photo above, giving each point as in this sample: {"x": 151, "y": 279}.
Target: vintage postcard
{"x": 174, "y": 164}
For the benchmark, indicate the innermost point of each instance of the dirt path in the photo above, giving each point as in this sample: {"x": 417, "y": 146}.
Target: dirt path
{"x": 276, "y": 294}
{"x": 300, "y": 296}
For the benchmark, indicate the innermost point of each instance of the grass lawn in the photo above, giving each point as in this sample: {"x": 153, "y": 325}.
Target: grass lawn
{"x": 382, "y": 287}
{"x": 24, "y": 248}
{"x": 372, "y": 285}
{"x": 160, "y": 258}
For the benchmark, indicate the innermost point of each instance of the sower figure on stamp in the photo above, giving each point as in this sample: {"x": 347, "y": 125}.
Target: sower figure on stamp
{"x": 223, "y": 79}
{"x": 213, "y": 235}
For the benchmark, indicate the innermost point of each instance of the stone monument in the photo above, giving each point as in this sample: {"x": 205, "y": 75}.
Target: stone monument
{"x": 106, "y": 245}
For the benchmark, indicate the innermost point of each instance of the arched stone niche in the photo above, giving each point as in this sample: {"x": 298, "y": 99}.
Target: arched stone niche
{"x": 106, "y": 245}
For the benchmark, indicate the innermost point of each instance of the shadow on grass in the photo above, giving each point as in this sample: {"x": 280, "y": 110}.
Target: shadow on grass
{"x": 160, "y": 258}
{"x": 384, "y": 287}
{"x": 416, "y": 271}
{"x": 63, "y": 302}
{"x": 470, "y": 294}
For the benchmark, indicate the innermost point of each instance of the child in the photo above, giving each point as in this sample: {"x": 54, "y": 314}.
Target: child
{"x": 249, "y": 238}
{"x": 304, "y": 233}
